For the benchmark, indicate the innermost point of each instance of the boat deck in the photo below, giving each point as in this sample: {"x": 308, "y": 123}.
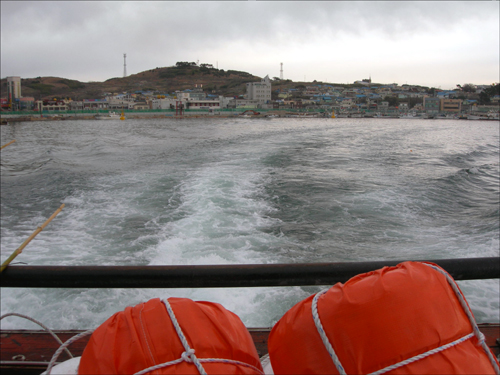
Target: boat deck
{"x": 29, "y": 352}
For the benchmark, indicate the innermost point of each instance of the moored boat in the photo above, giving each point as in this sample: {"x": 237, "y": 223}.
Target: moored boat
{"x": 303, "y": 115}
{"x": 249, "y": 113}
{"x": 109, "y": 116}
{"x": 477, "y": 117}
{"x": 411, "y": 115}
{"x": 493, "y": 115}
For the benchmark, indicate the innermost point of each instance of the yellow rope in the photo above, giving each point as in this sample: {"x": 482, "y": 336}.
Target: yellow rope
{"x": 5, "y": 145}
{"x": 19, "y": 250}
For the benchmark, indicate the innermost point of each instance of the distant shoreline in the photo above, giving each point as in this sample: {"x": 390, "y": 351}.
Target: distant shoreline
{"x": 64, "y": 117}
{"x": 7, "y": 118}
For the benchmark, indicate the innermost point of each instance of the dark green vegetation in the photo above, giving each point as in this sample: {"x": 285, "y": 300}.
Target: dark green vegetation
{"x": 486, "y": 95}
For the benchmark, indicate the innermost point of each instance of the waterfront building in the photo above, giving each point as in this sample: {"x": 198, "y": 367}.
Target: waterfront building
{"x": 163, "y": 103}
{"x": 383, "y": 106}
{"x": 14, "y": 87}
{"x": 187, "y": 95}
{"x": 451, "y": 105}
{"x": 403, "y": 107}
{"x": 259, "y": 91}
{"x": 243, "y": 103}
{"x": 432, "y": 106}
{"x": 26, "y": 103}
{"x": 52, "y": 105}
{"x": 75, "y": 105}
{"x": 204, "y": 104}
{"x": 95, "y": 104}
{"x": 120, "y": 102}
{"x": 198, "y": 94}
{"x": 418, "y": 107}
{"x": 141, "y": 106}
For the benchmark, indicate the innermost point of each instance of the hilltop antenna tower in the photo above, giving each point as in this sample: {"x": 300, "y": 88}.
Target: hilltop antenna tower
{"x": 281, "y": 71}
{"x": 124, "y": 65}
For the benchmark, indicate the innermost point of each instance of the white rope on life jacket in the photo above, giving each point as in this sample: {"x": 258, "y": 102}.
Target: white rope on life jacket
{"x": 189, "y": 354}
{"x": 324, "y": 338}
{"x": 479, "y": 335}
{"x": 476, "y": 332}
{"x": 423, "y": 355}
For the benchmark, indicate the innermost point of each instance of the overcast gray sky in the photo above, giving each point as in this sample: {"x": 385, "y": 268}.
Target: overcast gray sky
{"x": 430, "y": 43}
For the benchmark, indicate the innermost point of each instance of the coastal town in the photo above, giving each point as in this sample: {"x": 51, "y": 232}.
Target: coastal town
{"x": 263, "y": 96}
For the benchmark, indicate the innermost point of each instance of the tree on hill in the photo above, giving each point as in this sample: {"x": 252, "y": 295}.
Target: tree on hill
{"x": 468, "y": 87}
{"x": 393, "y": 101}
{"x": 486, "y": 95}
{"x": 184, "y": 64}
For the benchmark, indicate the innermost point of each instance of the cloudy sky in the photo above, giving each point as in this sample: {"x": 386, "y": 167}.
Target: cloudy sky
{"x": 430, "y": 43}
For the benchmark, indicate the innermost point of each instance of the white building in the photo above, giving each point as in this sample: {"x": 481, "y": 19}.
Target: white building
{"x": 52, "y": 105}
{"x": 164, "y": 103}
{"x": 203, "y": 104}
{"x": 120, "y": 102}
{"x": 191, "y": 103}
{"x": 14, "y": 87}
{"x": 259, "y": 91}
{"x": 403, "y": 107}
{"x": 242, "y": 103}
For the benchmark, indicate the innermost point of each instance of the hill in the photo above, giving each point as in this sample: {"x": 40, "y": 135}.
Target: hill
{"x": 166, "y": 80}
{"x": 160, "y": 80}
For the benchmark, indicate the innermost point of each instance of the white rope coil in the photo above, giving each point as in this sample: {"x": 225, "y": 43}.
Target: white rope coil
{"x": 41, "y": 325}
{"x": 64, "y": 346}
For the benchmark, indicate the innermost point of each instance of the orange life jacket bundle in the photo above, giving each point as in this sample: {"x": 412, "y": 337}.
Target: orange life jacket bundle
{"x": 407, "y": 319}
{"x": 174, "y": 336}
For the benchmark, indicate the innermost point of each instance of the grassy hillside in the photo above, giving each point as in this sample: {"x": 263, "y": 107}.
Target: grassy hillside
{"x": 161, "y": 80}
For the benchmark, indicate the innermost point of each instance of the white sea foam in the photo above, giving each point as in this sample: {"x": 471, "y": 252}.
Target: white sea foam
{"x": 221, "y": 222}
{"x": 479, "y": 296}
{"x": 258, "y": 192}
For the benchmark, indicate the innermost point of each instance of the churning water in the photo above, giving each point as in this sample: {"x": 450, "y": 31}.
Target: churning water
{"x": 234, "y": 191}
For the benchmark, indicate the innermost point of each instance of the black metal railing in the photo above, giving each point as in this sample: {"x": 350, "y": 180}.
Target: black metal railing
{"x": 241, "y": 275}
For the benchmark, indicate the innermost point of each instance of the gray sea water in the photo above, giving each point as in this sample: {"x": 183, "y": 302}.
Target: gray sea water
{"x": 241, "y": 191}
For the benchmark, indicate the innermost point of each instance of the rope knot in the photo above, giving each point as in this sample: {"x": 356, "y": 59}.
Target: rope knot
{"x": 187, "y": 355}
{"x": 480, "y": 338}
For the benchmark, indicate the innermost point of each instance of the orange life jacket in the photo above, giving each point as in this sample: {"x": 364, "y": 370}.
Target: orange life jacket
{"x": 144, "y": 336}
{"x": 380, "y": 319}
